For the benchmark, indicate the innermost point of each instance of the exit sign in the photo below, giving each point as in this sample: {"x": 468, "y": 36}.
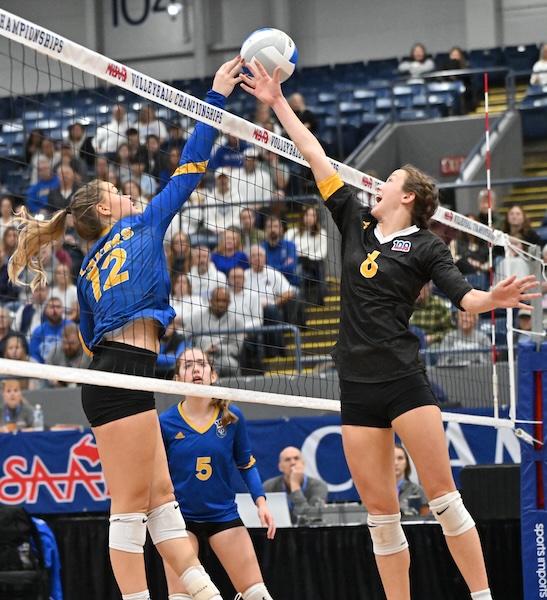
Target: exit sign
{"x": 451, "y": 165}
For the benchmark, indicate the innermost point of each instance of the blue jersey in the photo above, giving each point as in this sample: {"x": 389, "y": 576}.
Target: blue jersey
{"x": 201, "y": 463}
{"x": 125, "y": 276}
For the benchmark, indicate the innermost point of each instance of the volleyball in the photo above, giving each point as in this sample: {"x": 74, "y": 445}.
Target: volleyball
{"x": 273, "y": 48}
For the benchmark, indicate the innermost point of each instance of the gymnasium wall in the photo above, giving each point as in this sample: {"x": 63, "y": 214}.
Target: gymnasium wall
{"x": 141, "y": 33}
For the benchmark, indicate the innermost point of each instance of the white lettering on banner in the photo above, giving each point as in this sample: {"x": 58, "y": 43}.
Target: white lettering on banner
{"x": 456, "y": 439}
{"x": 309, "y": 454}
{"x": 507, "y": 441}
{"x": 541, "y": 570}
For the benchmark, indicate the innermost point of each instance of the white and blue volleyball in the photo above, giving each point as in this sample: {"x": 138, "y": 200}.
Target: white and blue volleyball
{"x": 273, "y": 48}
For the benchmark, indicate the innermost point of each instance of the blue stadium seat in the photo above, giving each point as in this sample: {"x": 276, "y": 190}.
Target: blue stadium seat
{"x": 382, "y": 68}
{"x": 418, "y": 114}
{"x": 534, "y": 120}
{"x": 521, "y": 58}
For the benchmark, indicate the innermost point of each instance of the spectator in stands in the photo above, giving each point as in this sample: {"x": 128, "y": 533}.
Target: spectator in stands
{"x": 47, "y": 153}
{"x": 250, "y": 234}
{"x": 512, "y": 263}
{"x": 147, "y": 183}
{"x": 82, "y": 146}
{"x": 6, "y": 213}
{"x": 219, "y": 332}
{"x": 277, "y": 297}
{"x": 16, "y": 414}
{"x": 172, "y": 344}
{"x": 155, "y": 161}
{"x": 169, "y": 166}
{"x": 178, "y": 254}
{"x": 33, "y": 144}
{"x": 432, "y": 315}
{"x": 412, "y": 498}
{"x": 418, "y": 63}
{"x": 51, "y": 255}
{"x": 102, "y": 168}
{"x": 311, "y": 245}
{"x": 184, "y": 302}
{"x": 5, "y": 328}
{"x": 192, "y": 216}
{"x": 280, "y": 174}
{"x": 64, "y": 288}
{"x": 69, "y": 159}
{"x": 9, "y": 294}
{"x": 110, "y": 136}
{"x": 539, "y": 70}
{"x": 29, "y": 315}
{"x": 471, "y": 256}
{"x": 204, "y": 276}
{"x": 517, "y": 224}
{"x": 522, "y": 334}
{"x": 246, "y": 303}
{"x": 37, "y": 201}
{"x": 482, "y": 215}
{"x": 177, "y": 136}
{"x": 69, "y": 353}
{"x": 133, "y": 189}
{"x": 252, "y": 183}
{"x": 456, "y": 60}
{"x": 229, "y": 252}
{"x": 121, "y": 164}
{"x": 229, "y": 154}
{"x": 16, "y": 348}
{"x": 264, "y": 117}
{"x": 298, "y": 104}
{"x": 223, "y": 203}
{"x": 48, "y": 335}
{"x": 60, "y": 197}
{"x": 281, "y": 253}
{"x": 133, "y": 142}
{"x": 463, "y": 346}
{"x": 149, "y": 124}
{"x": 303, "y": 492}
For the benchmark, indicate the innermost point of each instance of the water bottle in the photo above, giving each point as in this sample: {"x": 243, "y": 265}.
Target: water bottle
{"x": 38, "y": 418}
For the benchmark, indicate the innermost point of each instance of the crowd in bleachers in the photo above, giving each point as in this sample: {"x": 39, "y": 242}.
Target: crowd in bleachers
{"x": 230, "y": 246}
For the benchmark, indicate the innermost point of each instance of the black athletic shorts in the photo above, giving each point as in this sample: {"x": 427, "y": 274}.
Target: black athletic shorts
{"x": 206, "y": 529}
{"x": 378, "y": 404}
{"x": 103, "y": 404}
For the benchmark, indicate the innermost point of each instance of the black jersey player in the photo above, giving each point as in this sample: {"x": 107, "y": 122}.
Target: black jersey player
{"x": 388, "y": 254}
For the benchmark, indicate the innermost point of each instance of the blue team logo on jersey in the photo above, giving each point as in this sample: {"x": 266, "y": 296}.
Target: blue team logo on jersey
{"x": 401, "y": 245}
{"x": 221, "y": 430}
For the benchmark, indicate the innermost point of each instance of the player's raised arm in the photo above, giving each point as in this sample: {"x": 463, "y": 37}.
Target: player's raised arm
{"x": 268, "y": 90}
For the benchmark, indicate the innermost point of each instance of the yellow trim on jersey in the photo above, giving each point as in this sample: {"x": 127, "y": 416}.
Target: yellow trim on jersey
{"x": 85, "y": 348}
{"x": 249, "y": 464}
{"x": 195, "y": 427}
{"x": 330, "y": 185}
{"x": 199, "y": 167}
{"x": 106, "y": 230}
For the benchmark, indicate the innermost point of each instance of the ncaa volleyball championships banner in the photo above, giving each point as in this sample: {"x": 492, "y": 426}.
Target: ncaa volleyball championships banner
{"x": 50, "y": 472}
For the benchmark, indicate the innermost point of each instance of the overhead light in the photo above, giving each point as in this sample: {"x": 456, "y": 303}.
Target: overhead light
{"x": 173, "y": 8}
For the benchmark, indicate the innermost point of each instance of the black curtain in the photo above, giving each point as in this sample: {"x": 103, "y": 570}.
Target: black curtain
{"x": 322, "y": 563}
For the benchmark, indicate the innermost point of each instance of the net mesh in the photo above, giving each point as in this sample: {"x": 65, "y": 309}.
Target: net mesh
{"x": 69, "y": 115}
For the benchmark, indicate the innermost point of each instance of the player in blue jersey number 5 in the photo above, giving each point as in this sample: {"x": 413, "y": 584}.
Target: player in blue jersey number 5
{"x": 205, "y": 438}
{"x": 123, "y": 292}
{"x": 388, "y": 254}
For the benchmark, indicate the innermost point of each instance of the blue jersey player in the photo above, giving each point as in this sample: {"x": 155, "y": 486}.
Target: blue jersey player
{"x": 123, "y": 290}
{"x": 205, "y": 439}
{"x": 388, "y": 254}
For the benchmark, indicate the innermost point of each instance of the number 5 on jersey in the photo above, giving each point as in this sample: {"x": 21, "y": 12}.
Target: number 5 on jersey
{"x": 204, "y": 470}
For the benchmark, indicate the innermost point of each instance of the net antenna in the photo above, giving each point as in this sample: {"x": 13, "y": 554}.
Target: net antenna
{"x": 67, "y": 52}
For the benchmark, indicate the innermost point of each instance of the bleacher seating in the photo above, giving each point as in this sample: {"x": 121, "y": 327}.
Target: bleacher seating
{"x": 348, "y": 92}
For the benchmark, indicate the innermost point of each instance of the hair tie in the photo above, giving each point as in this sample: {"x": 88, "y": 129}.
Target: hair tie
{"x": 68, "y": 210}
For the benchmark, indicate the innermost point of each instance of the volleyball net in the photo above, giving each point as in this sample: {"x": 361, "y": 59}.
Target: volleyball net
{"x": 97, "y": 118}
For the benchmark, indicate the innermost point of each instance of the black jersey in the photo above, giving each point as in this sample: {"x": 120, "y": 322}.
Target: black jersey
{"x": 381, "y": 279}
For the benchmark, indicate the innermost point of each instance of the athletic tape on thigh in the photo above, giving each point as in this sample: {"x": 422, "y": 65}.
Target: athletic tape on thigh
{"x": 451, "y": 513}
{"x": 127, "y": 532}
{"x": 165, "y": 522}
{"x": 387, "y": 534}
